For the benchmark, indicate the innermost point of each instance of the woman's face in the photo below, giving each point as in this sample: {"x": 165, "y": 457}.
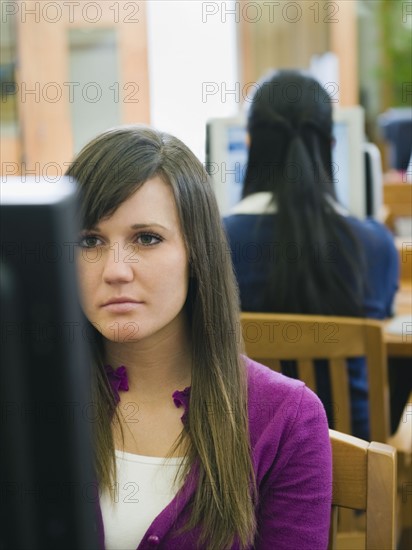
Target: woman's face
{"x": 134, "y": 269}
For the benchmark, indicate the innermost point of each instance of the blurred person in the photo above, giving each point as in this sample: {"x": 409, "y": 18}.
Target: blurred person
{"x": 295, "y": 249}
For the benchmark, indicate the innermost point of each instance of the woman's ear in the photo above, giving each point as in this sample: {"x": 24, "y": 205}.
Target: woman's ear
{"x": 247, "y": 140}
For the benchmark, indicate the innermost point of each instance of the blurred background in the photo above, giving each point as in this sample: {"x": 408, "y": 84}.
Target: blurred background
{"x": 72, "y": 69}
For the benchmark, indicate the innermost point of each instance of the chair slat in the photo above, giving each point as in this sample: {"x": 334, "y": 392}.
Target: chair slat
{"x": 272, "y": 363}
{"x": 378, "y": 384}
{"x": 306, "y": 373}
{"x": 339, "y": 380}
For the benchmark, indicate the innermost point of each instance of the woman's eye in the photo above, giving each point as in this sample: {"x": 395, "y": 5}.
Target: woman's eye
{"x": 89, "y": 241}
{"x": 148, "y": 239}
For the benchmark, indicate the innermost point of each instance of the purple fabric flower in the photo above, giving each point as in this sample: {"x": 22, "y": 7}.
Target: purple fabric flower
{"x": 181, "y": 399}
{"x": 117, "y": 379}
{"x": 118, "y": 382}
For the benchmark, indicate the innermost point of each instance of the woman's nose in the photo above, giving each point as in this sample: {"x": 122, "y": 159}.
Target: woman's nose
{"x": 118, "y": 267}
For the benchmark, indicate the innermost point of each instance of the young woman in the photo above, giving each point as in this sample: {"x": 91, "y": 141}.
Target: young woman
{"x": 310, "y": 255}
{"x": 196, "y": 445}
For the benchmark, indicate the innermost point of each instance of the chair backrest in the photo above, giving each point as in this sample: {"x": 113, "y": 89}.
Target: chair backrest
{"x": 270, "y": 338}
{"x": 397, "y": 200}
{"x": 364, "y": 478}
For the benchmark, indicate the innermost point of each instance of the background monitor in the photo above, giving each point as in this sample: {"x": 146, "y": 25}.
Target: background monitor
{"x": 348, "y": 159}
{"x": 373, "y": 179}
{"x": 226, "y": 158}
{"x": 48, "y": 488}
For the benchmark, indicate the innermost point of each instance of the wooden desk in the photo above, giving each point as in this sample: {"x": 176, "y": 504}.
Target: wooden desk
{"x": 398, "y": 345}
{"x": 397, "y": 201}
{"x": 404, "y": 247}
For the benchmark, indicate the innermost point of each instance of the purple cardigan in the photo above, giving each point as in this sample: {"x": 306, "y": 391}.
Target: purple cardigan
{"x": 292, "y": 462}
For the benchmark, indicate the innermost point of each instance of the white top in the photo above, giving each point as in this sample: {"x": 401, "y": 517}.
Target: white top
{"x": 145, "y": 486}
{"x": 263, "y": 202}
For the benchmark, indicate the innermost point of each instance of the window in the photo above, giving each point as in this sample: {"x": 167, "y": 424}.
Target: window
{"x": 193, "y": 67}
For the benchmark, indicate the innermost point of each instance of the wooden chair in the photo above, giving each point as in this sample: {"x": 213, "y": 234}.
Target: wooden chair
{"x": 270, "y": 338}
{"x": 397, "y": 202}
{"x": 364, "y": 478}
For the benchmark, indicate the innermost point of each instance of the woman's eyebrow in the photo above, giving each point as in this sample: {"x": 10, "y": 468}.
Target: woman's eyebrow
{"x": 146, "y": 225}
{"x": 134, "y": 226}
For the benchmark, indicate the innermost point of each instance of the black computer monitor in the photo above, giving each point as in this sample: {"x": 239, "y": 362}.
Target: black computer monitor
{"x": 48, "y": 489}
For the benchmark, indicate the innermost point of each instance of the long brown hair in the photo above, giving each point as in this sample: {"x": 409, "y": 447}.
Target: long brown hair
{"x": 109, "y": 170}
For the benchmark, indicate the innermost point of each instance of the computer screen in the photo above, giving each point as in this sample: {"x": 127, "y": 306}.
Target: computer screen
{"x": 226, "y": 159}
{"x": 373, "y": 179}
{"x": 47, "y": 481}
{"x": 348, "y": 159}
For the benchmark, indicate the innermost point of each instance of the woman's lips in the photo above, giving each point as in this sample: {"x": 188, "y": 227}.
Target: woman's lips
{"x": 121, "y": 307}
